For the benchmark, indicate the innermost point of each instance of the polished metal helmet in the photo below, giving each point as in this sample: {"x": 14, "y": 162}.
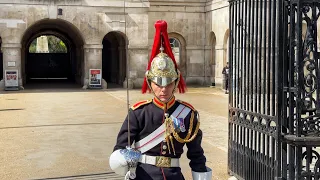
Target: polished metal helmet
{"x": 162, "y": 70}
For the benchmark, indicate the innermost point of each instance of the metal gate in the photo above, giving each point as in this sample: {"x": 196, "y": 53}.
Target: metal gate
{"x": 274, "y": 101}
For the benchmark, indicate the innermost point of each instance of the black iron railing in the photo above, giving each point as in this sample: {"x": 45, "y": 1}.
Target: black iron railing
{"x": 274, "y": 102}
{"x": 301, "y": 91}
{"x": 253, "y": 98}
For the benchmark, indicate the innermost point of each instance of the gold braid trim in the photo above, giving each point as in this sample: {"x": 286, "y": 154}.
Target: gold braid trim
{"x": 190, "y": 127}
{"x": 167, "y": 136}
{"x": 174, "y": 151}
{"x": 170, "y": 129}
{"x": 186, "y": 140}
{"x": 179, "y": 139}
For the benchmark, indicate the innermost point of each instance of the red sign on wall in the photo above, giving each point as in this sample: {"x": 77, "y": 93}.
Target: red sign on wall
{"x": 11, "y": 78}
{"x": 95, "y": 77}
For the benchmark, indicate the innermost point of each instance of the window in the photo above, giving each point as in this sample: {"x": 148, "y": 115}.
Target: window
{"x": 175, "y": 46}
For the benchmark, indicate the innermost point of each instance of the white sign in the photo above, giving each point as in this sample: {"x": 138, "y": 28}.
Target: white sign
{"x": 11, "y": 64}
{"x": 12, "y": 23}
{"x": 11, "y": 78}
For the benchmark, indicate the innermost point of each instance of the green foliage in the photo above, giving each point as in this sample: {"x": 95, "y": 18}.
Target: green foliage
{"x": 55, "y": 45}
{"x": 33, "y": 46}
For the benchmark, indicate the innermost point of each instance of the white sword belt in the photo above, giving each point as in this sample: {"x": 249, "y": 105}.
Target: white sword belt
{"x": 158, "y": 135}
{"x": 155, "y": 138}
{"x": 160, "y": 161}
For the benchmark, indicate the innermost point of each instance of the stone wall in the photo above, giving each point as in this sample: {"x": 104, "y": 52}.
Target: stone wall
{"x": 219, "y": 15}
{"x": 193, "y": 23}
{"x": 186, "y": 22}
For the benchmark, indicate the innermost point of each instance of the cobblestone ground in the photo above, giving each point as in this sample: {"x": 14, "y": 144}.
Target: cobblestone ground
{"x": 69, "y": 133}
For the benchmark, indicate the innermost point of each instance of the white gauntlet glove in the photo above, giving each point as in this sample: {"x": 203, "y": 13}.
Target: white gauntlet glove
{"x": 202, "y": 175}
{"x": 124, "y": 162}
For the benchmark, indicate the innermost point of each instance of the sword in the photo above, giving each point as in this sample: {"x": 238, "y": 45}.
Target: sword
{"x": 131, "y": 155}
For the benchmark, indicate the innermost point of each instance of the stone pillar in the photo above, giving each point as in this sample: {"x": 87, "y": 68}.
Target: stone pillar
{"x": 219, "y": 65}
{"x": 42, "y": 44}
{"x": 137, "y": 57}
{"x": 92, "y": 60}
{"x": 209, "y": 75}
{"x": 12, "y": 61}
{"x": 122, "y": 64}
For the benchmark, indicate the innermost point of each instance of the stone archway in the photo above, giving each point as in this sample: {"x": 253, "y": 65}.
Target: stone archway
{"x": 225, "y": 47}
{"x": 182, "y": 63}
{"x": 225, "y": 54}
{"x": 213, "y": 58}
{"x": 72, "y": 38}
{"x": 114, "y": 59}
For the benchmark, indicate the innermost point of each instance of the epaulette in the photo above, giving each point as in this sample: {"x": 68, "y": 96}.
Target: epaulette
{"x": 140, "y": 103}
{"x": 187, "y": 104}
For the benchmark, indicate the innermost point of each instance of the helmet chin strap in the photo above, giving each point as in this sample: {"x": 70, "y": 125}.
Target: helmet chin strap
{"x": 175, "y": 87}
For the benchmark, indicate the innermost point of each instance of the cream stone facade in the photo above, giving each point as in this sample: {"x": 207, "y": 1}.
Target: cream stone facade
{"x": 105, "y": 34}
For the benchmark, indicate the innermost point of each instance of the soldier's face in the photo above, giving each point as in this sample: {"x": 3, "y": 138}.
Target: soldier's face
{"x": 163, "y": 93}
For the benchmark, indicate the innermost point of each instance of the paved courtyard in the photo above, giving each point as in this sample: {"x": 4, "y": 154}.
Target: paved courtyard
{"x": 69, "y": 133}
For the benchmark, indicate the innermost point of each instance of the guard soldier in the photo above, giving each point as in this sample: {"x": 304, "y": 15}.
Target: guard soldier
{"x": 158, "y": 129}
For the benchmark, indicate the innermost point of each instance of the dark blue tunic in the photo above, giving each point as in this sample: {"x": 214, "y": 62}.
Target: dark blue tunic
{"x": 145, "y": 118}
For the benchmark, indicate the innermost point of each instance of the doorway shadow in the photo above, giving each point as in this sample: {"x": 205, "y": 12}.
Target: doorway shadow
{"x": 114, "y": 86}
{"x": 51, "y": 84}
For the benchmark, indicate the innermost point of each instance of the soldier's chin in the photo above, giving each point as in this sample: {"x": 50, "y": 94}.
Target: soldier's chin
{"x": 163, "y": 98}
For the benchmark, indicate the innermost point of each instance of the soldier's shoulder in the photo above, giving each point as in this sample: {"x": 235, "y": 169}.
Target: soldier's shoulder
{"x": 140, "y": 104}
{"x": 187, "y": 104}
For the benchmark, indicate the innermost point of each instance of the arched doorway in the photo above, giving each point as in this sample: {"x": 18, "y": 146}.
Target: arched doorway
{"x": 225, "y": 57}
{"x": 49, "y": 64}
{"x": 225, "y": 47}
{"x": 48, "y": 58}
{"x": 213, "y": 58}
{"x": 114, "y": 59}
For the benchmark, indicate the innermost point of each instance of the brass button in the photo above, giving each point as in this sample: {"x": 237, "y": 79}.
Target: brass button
{"x": 163, "y": 152}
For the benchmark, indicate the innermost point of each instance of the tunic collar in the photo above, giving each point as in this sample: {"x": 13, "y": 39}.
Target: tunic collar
{"x": 163, "y": 105}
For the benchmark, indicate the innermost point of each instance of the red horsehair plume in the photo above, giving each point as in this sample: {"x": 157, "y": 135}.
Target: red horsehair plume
{"x": 161, "y": 31}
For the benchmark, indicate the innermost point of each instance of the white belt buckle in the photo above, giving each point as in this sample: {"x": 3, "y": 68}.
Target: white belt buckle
{"x": 150, "y": 160}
